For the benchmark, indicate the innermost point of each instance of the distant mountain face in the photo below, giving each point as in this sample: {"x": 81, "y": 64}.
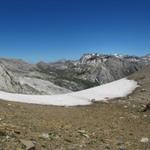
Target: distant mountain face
{"x": 146, "y": 59}
{"x": 66, "y": 75}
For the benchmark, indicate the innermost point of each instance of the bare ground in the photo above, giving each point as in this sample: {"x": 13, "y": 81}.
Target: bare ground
{"x": 117, "y": 125}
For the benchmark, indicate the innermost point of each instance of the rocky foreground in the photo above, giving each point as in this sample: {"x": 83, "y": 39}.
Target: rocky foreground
{"x": 120, "y": 124}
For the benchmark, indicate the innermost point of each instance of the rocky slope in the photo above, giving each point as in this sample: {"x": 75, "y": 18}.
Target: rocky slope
{"x": 66, "y": 75}
{"x": 120, "y": 124}
{"x": 14, "y": 79}
{"x": 91, "y": 70}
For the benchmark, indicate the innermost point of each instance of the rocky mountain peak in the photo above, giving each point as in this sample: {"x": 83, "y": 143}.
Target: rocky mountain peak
{"x": 93, "y": 58}
{"x": 64, "y": 76}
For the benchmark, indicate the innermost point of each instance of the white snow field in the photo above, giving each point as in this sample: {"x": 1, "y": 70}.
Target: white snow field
{"x": 119, "y": 88}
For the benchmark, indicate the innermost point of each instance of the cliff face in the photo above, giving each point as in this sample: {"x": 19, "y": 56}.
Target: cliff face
{"x": 91, "y": 70}
{"x": 8, "y": 81}
{"x": 15, "y": 82}
{"x": 66, "y": 75}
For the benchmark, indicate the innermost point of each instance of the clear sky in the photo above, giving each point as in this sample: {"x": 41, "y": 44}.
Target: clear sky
{"x": 55, "y": 29}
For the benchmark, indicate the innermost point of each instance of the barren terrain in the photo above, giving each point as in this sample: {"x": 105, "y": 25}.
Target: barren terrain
{"x": 119, "y": 124}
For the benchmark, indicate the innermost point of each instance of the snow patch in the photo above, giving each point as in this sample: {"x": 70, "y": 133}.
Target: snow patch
{"x": 119, "y": 88}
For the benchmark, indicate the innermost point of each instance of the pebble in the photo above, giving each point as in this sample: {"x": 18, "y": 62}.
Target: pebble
{"x": 120, "y": 142}
{"x": 28, "y": 144}
{"x": 122, "y": 147}
{"x": 134, "y": 106}
{"x": 144, "y": 116}
{"x": 134, "y": 116}
{"x": 7, "y": 137}
{"x": 125, "y": 106}
{"x": 121, "y": 117}
{"x": 45, "y": 135}
{"x": 107, "y": 147}
{"x": 143, "y": 90}
{"x": 144, "y": 140}
{"x": 83, "y": 133}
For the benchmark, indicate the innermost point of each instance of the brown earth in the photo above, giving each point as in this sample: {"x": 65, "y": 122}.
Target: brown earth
{"x": 119, "y": 124}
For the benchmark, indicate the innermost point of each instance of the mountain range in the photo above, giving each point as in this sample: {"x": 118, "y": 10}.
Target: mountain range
{"x": 64, "y": 76}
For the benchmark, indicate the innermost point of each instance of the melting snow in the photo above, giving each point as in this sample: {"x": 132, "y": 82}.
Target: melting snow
{"x": 119, "y": 88}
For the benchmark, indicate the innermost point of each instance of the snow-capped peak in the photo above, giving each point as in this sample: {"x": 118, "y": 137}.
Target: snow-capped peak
{"x": 118, "y": 55}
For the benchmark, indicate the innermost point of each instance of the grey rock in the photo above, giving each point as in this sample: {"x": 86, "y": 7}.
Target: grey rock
{"x": 144, "y": 140}
{"x": 29, "y": 145}
{"x": 122, "y": 147}
{"x": 18, "y": 83}
{"x": 64, "y": 76}
{"x": 120, "y": 141}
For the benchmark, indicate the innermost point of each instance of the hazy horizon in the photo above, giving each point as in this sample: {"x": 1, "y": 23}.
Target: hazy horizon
{"x": 61, "y": 59}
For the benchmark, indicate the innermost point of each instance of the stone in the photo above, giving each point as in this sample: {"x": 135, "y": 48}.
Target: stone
{"x": 44, "y": 135}
{"x": 107, "y": 147}
{"x": 83, "y": 133}
{"x": 146, "y": 107}
{"x": 125, "y": 106}
{"x": 29, "y": 145}
{"x": 50, "y": 136}
{"x": 134, "y": 106}
{"x": 122, "y": 147}
{"x": 120, "y": 142}
{"x": 121, "y": 117}
{"x": 144, "y": 116}
{"x": 143, "y": 90}
{"x": 17, "y": 131}
{"x": 144, "y": 140}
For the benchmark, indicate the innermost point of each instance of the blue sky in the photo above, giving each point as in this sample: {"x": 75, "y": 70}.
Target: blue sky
{"x": 55, "y": 29}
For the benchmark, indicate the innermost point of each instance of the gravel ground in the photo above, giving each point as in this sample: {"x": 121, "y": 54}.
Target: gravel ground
{"x": 119, "y": 124}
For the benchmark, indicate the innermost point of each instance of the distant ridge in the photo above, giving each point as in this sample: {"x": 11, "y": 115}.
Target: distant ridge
{"x": 64, "y": 76}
